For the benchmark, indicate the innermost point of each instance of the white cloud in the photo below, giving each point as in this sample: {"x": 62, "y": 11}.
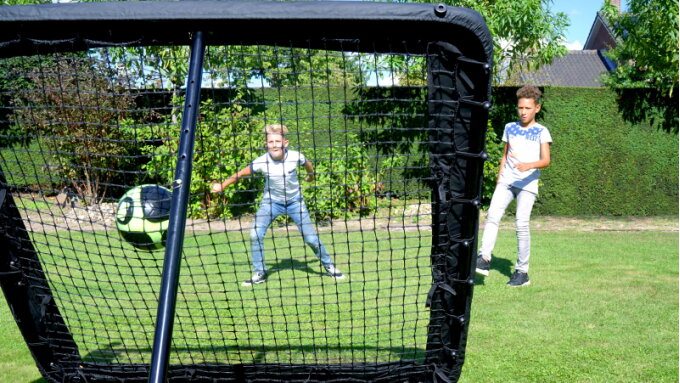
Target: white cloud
{"x": 573, "y": 45}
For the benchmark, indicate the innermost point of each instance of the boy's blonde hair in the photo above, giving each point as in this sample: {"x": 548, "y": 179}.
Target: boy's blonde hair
{"x": 529, "y": 91}
{"x": 276, "y": 129}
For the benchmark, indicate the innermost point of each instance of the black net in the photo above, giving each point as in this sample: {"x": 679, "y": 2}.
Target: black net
{"x": 385, "y": 134}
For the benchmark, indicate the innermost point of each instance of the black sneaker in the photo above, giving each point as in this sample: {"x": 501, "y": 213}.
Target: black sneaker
{"x": 519, "y": 279}
{"x": 333, "y": 271}
{"x": 482, "y": 266}
{"x": 257, "y": 278}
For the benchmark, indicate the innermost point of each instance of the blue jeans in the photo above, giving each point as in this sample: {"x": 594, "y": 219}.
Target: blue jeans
{"x": 295, "y": 209}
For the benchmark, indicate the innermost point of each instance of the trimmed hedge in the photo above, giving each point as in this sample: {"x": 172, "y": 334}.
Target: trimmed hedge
{"x": 600, "y": 164}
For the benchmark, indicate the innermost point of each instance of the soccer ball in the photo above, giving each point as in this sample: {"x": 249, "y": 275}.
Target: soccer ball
{"x": 142, "y": 216}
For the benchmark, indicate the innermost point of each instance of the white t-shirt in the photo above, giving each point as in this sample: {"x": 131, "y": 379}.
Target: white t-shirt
{"x": 281, "y": 176}
{"x": 524, "y": 145}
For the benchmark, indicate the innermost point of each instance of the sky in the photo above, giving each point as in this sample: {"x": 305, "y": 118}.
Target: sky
{"x": 581, "y": 14}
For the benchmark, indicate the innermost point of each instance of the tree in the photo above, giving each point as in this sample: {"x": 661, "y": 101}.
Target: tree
{"x": 526, "y": 34}
{"x": 23, "y": 2}
{"x": 647, "y": 57}
{"x": 11, "y": 134}
{"x": 74, "y": 107}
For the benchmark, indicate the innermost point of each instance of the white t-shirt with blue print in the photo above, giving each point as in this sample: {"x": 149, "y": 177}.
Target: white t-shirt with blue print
{"x": 524, "y": 145}
{"x": 281, "y": 176}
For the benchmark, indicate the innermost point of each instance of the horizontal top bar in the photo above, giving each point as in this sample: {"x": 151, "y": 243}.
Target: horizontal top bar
{"x": 239, "y": 22}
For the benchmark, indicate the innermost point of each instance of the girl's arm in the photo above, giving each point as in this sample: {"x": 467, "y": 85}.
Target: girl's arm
{"x": 218, "y": 187}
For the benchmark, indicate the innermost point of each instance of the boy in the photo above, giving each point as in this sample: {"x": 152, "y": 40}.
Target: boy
{"x": 527, "y": 149}
{"x": 282, "y": 195}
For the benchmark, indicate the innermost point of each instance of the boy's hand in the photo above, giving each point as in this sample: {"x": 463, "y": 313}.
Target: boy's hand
{"x": 310, "y": 177}
{"x": 216, "y": 187}
{"x": 523, "y": 166}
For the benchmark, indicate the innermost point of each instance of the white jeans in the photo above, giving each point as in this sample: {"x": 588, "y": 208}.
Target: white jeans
{"x": 502, "y": 196}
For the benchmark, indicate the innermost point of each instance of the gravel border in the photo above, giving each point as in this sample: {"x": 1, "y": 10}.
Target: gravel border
{"x": 409, "y": 218}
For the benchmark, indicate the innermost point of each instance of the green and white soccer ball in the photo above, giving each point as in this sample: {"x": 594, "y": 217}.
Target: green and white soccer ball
{"x": 142, "y": 216}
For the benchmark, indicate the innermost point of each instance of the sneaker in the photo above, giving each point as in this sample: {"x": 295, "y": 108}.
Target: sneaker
{"x": 519, "y": 279}
{"x": 482, "y": 266}
{"x": 257, "y": 278}
{"x": 333, "y": 271}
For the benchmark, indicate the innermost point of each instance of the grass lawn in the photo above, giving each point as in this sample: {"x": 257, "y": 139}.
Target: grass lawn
{"x": 602, "y": 307}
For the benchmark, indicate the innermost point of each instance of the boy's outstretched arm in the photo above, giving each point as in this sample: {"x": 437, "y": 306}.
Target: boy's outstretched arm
{"x": 310, "y": 171}
{"x": 219, "y": 186}
{"x": 543, "y": 162}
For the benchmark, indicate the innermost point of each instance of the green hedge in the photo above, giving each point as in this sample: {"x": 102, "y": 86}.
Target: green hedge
{"x": 601, "y": 165}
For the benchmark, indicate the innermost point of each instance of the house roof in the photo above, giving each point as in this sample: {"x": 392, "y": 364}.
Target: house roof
{"x": 576, "y": 68}
{"x": 600, "y": 35}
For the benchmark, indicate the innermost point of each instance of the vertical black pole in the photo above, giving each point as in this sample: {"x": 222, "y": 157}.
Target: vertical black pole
{"x": 178, "y": 213}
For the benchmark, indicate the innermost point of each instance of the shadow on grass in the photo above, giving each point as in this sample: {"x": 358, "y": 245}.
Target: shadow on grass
{"x": 241, "y": 361}
{"x": 112, "y": 352}
{"x": 294, "y": 264}
{"x": 501, "y": 265}
{"x": 252, "y": 358}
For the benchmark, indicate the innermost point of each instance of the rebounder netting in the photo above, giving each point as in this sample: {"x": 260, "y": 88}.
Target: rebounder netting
{"x": 106, "y": 102}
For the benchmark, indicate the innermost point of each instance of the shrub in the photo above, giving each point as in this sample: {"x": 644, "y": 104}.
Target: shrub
{"x": 494, "y": 148}
{"x": 225, "y": 142}
{"x": 79, "y": 113}
{"x": 345, "y": 184}
{"x": 229, "y": 137}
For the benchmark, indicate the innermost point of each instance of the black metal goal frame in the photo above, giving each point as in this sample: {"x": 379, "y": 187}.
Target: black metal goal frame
{"x": 458, "y": 48}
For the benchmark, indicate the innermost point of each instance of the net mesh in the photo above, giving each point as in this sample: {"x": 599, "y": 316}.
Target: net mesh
{"x": 366, "y": 224}
{"x": 81, "y": 129}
